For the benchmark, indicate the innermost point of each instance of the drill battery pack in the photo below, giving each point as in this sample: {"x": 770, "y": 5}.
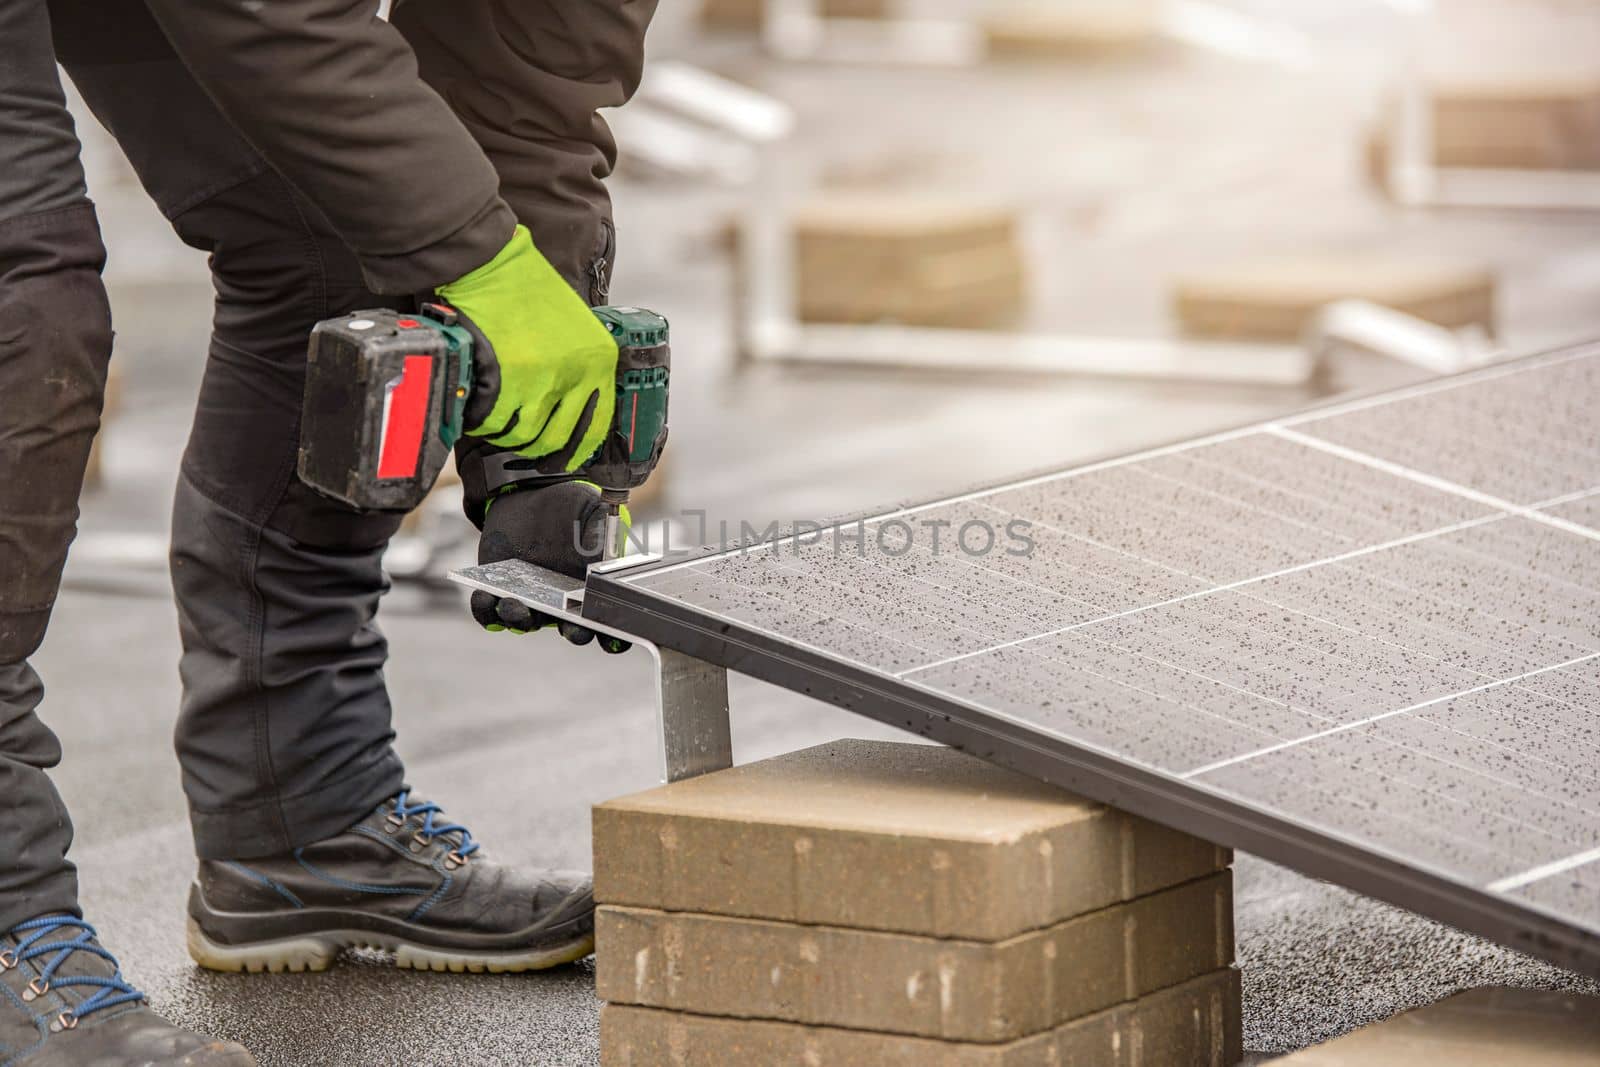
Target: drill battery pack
{"x": 384, "y": 400}
{"x": 386, "y": 394}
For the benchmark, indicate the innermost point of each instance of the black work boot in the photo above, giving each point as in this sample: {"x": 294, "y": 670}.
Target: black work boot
{"x": 64, "y": 1003}
{"x": 404, "y": 880}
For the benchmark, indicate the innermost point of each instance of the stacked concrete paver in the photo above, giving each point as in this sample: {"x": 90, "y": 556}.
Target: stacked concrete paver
{"x": 874, "y": 903}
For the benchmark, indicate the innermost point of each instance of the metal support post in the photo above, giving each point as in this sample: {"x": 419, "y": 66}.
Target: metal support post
{"x": 691, "y": 694}
{"x": 693, "y": 702}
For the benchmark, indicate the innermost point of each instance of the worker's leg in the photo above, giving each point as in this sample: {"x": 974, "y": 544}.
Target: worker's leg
{"x": 34, "y": 828}
{"x": 55, "y": 342}
{"x": 304, "y": 830}
{"x": 284, "y": 732}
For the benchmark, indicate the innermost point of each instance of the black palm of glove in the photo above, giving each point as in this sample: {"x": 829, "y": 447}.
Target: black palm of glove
{"x": 542, "y": 526}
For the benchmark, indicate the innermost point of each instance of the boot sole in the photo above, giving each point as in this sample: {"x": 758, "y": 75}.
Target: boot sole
{"x": 316, "y": 952}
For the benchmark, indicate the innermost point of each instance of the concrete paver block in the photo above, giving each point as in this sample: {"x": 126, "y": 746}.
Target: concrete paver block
{"x": 894, "y": 256}
{"x": 1275, "y": 299}
{"x": 749, "y": 14}
{"x": 899, "y": 983}
{"x": 883, "y": 836}
{"x": 1057, "y": 31}
{"x": 1533, "y": 121}
{"x": 1196, "y": 1023}
{"x": 1488, "y": 1027}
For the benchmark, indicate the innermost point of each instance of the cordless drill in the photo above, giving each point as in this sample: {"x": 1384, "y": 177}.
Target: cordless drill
{"x": 387, "y": 394}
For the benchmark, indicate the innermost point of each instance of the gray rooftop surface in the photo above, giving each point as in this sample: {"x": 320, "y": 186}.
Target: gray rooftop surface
{"x": 520, "y": 738}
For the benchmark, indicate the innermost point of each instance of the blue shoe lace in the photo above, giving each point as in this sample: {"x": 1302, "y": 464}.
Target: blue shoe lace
{"x": 431, "y": 829}
{"x": 36, "y": 939}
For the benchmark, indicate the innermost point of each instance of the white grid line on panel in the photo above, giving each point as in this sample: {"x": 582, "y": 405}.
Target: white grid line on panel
{"x": 1431, "y": 481}
{"x": 1568, "y": 498}
{"x": 1571, "y": 498}
{"x": 1365, "y": 550}
{"x": 1417, "y": 819}
{"x": 1439, "y": 385}
{"x": 1543, "y": 871}
{"x": 1421, "y": 389}
{"x": 904, "y": 675}
{"x": 1166, "y": 450}
{"x": 1369, "y": 720}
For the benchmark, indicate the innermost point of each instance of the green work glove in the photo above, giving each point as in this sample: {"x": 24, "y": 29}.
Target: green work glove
{"x": 559, "y": 527}
{"x": 550, "y": 386}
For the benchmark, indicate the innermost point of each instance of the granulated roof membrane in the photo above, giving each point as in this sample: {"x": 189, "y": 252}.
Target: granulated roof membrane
{"x": 1363, "y": 641}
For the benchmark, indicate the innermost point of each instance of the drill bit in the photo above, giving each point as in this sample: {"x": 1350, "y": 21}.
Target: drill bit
{"x": 616, "y": 533}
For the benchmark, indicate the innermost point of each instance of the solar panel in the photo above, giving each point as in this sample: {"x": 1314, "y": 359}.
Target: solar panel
{"x": 1362, "y": 641}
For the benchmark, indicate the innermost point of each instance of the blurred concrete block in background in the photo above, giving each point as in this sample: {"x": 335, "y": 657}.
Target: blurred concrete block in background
{"x": 911, "y": 258}
{"x": 1489, "y": 1027}
{"x": 1277, "y": 299}
{"x": 749, "y": 14}
{"x": 94, "y": 474}
{"x": 1059, "y": 30}
{"x": 872, "y": 835}
{"x": 1195, "y": 1024}
{"x": 1532, "y": 121}
{"x": 955, "y": 990}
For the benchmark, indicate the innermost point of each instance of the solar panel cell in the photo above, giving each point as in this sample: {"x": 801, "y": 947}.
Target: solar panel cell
{"x": 1339, "y": 784}
{"x": 1577, "y": 685}
{"x": 1521, "y": 437}
{"x": 1389, "y": 611}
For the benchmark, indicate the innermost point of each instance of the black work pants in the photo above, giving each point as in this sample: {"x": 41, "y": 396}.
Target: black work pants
{"x": 284, "y": 731}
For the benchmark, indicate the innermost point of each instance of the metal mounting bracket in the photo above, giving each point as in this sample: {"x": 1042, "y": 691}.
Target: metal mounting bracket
{"x": 691, "y": 694}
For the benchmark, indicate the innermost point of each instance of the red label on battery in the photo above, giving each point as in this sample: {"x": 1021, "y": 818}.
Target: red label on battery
{"x": 405, "y": 417}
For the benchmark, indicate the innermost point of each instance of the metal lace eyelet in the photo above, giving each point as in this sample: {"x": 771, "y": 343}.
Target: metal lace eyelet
{"x": 65, "y": 1021}
{"x": 8, "y": 960}
{"x": 420, "y": 841}
{"x": 454, "y": 859}
{"x": 394, "y": 822}
{"x": 36, "y": 988}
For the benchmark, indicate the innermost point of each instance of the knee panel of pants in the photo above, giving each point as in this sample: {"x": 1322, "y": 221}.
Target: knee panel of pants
{"x": 55, "y": 345}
